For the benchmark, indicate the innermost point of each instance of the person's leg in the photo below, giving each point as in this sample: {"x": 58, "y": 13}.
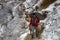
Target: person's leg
{"x": 32, "y": 31}
{"x": 37, "y": 32}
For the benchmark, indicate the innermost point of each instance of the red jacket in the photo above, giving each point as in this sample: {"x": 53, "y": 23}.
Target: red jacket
{"x": 36, "y": 22}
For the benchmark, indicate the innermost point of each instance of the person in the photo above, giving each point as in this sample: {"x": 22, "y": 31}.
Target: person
{"x": 36, "y": 8}
{"x": 54, "y": 10}
{"x": 34, "y": 24}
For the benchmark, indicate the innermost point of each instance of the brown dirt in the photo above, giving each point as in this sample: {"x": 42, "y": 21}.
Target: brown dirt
{"x": 45, "y": 4}
{"x": 28, "y": 37}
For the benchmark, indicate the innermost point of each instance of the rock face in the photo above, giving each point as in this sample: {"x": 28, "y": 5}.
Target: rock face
{"x": 30, "y": 5}
{"x": 52, "y": 26}
{"x": 12, "y": 21}
{"x": 42, "y": 4}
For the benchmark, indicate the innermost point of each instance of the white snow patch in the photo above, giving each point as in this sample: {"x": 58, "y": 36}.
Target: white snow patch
{"x": 22, "y": 37}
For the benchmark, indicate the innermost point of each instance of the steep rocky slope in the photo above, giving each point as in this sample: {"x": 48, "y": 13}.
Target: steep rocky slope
{"x": 12, "y": 20}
